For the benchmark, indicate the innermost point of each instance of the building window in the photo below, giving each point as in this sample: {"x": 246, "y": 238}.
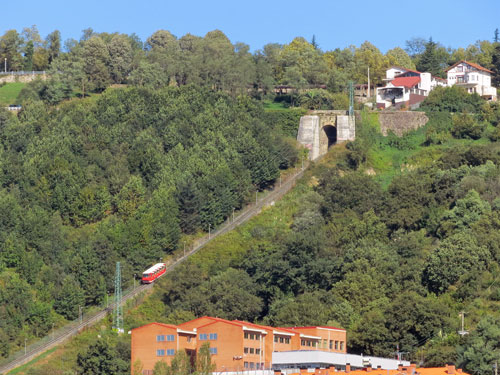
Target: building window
{"x": 331, "y": 344}
{"x": 170, "y": 351}
{"x": 188, "y": 339}
{"x": 252, "y": 350}
{"x": 160, "y": 352}
{"x": 257, "y": 336}
{"x": 257, "y": 351}
{"x": 245, "y": 350}
{"x": 303, "y": 342}
{"x": 245, "y": 364}
{"x": 336, "y": 345}
{"x": 252, "y": 365}
{"x": 287, "y": 340}
{"x": 213, "y": 350}
{"x": 281, "y": 340}
{"x": 203, "y": 336}
{"x": 170, "y": 337}
{"x": 160, "y": 338}
{"x": 246, "y": 335}
{"x": 275, "y": 338}
{"x": 325, "y": 342}
{"x": 213, "y": 336}
{"x": 341, "y": 345}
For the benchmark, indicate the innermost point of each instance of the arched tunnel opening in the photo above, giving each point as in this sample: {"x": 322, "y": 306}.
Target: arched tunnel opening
{"x": 331, "y": 134}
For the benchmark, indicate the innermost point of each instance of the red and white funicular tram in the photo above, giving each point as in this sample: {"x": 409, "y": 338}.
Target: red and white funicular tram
{"x": 152, "y": 273}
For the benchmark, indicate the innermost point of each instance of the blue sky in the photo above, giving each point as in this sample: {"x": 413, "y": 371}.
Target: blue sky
{"x": 335, "y": 23}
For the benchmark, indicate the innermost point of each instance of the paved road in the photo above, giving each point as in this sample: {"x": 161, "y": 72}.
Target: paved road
{"x": 75, "y": 328}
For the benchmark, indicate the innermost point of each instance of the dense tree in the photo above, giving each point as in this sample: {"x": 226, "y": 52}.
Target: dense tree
{"x": 430, "y": 60}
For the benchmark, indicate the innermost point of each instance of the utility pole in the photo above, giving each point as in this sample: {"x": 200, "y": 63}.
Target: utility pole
{"x": 462, "y": 332}
{"x": 118, "y": 310}
{"x": 495, "y": 366}
{"x": 368, "y": 94}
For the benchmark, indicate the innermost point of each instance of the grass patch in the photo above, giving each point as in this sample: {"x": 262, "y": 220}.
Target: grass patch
{"x": 9, "y": 93}
{"x": 270, "y": 104}
{"x": 22, "y": 369}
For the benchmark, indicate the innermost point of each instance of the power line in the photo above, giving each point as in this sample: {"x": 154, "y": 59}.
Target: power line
{"x": 118, "y": 310}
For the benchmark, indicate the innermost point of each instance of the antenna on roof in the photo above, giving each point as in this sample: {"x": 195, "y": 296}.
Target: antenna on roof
{"x": 462, "y": 332}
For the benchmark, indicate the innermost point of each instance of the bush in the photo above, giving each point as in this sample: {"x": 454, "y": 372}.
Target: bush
{"x": 466, "y": 126}
{"x": 452, "y": 99}
{"x": 285, "y": 120}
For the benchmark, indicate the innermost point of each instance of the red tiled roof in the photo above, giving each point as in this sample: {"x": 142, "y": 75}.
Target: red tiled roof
{"x": 474, "y": 65}
{"x": 408, "y": 82}
{"x": 309, "y": 327}
{"x": 157, "y": 324}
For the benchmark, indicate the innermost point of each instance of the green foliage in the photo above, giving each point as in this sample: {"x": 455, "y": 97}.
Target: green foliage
{"x": 451, "y": 99}
{"x": 465, "y": 126}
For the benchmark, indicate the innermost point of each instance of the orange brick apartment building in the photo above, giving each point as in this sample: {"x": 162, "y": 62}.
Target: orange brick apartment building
{"x": 234, "y": 345}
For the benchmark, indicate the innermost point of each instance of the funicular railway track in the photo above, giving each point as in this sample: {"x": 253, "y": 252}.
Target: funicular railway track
{"x": 74, "y": 328}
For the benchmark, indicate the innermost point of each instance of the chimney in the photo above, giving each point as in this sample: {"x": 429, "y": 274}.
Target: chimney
{"x": 400, "y": 367}
{"x": 369, "y": 368}
{"x": 347, "y": 368}
{"x": 379, "y": 367}
{"x": 450, "y": 369}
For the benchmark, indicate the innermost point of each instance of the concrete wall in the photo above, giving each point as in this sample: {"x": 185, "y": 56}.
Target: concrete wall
{"x": 25, "y": 78}
{"x": 401, "y": 122}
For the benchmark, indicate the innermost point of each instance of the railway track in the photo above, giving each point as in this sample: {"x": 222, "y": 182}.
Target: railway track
{"x": 74, "y": 328}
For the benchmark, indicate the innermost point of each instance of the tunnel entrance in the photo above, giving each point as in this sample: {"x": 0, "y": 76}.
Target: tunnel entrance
{"x": 331, "y": 134}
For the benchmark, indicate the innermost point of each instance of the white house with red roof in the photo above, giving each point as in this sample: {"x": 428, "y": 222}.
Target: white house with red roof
{"x": 473, "y": 77}
{"x": 406, "y": 87}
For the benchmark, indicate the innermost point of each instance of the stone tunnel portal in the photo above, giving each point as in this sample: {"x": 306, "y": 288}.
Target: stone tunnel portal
{"x": 328, "y": 138}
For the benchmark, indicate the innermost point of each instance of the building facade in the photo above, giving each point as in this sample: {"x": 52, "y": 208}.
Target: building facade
{"x": 234, "y": 345}
{"x": 406, "y": 87}
{"x": 473, "y": 77}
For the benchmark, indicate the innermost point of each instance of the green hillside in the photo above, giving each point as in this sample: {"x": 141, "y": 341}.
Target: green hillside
{"x": 9, "y": 93}
{"x": 387, "y": 237}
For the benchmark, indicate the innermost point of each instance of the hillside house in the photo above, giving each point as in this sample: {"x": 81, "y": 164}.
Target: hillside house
{"x": 473, "y": 77}
{"x": 406, "y": 87}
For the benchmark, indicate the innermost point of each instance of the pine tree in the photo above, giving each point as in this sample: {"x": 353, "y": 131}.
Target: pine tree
{"x": 315, "y": 44}
{"x": 429, "y": 62}
{"x": 495, "y": 61}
